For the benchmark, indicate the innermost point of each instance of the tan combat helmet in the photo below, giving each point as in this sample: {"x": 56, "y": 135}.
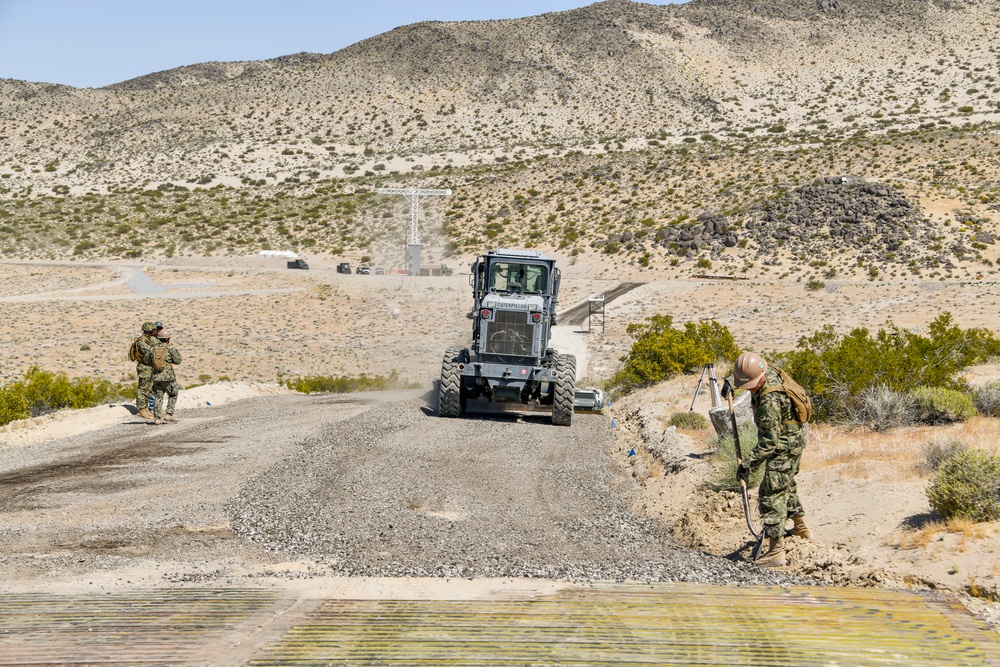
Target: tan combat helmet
{"x": 748, "y": 369}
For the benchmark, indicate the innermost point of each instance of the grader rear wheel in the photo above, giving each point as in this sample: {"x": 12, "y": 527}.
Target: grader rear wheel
{"x": 450, "y": 399}
{"x": 562, "y": 399}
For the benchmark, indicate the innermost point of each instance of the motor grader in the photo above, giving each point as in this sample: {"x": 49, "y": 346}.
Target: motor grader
{"x": 509, "y": 361}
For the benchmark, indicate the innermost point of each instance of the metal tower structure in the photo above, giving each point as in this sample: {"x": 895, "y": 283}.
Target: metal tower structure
{"x": 415, "y": 195}
{"x": 596, "y": 312}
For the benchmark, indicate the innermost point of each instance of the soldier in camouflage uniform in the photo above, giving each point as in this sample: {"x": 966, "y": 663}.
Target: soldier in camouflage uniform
{"x": 144, "y": 371}
{"x": 164, "y": 381}
{"x": 780, "y": 441}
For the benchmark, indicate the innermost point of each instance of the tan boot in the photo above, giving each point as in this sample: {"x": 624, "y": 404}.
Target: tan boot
{"x": 800, "y": 529}
{"x": 145, "y": 413}
{"x": 775, "y": 556}
{"x": 170, "y": 418}
{"x": 158, "y": 421}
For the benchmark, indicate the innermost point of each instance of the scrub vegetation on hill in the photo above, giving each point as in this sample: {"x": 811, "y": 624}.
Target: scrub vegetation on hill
{"x": 739, "y": 208}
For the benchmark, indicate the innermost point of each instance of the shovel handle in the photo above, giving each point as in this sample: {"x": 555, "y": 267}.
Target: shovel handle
{"x": 744, "y": 493}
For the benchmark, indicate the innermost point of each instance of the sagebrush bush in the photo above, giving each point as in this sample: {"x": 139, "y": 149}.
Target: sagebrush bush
{"x": 986, "y": 398}
{"x": 41, "y": 391}
{"x": 725, "y": 459}
{"x": 880, "y": 408}
{"x": 937, "y": 452}
{"x": 344, "y": 385}
{"x": 660, "y": 351}
{"x": 967, "y": 485}
{"x": 836, "y": 368}
{"x": 814, "y": 285}
{"x": 936, "y": 405}
{"x": 13, "y": 405}
{"x": 690, "y": 420}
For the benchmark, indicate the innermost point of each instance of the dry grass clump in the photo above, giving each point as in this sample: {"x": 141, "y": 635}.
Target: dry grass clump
{"x": 863, "y": 454}
{"x": 898, "y": 455}
{"x": 882, "y": 408}
{"x": 965, "y": 529}
{"x": 691, "y": 421}
{"x": 937, "y": 451}
{"x": 986, "y": 398}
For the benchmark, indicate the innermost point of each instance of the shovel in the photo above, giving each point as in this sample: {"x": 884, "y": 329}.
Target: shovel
{"x": 727, "y": 391}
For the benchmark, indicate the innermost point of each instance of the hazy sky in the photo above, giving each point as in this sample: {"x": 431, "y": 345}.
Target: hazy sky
{"x": 93, "y": 43}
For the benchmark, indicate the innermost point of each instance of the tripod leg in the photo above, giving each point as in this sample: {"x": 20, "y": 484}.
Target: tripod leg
{"x": 697, "y": 389}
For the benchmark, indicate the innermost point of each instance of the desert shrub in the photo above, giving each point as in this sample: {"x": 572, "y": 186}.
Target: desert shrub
{"x": 967, "y": 485}
{"x": 660, "y": 351}
{"x": 936, "y": 452}
{"x": 835, "y": 369}
{"x": 693, "y": 421}
{"x": 45, "y": 391}
{"x": 344, "y": 385}
{"x": 814, "y": 285}
{"x": 986, "y": 398}
{"x": 13, "y": 406}
{"x": 880, "y": 408}
{"x": 935, "y": 405}
{"x": 41, "y": 391}
{"x": 724, "y": 478}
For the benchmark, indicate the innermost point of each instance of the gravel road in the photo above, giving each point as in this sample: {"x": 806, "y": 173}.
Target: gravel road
{"x": 363, "y": 485}
{"x": 401, "y": 492}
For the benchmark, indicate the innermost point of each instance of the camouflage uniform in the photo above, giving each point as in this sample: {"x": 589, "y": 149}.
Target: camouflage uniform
{"x": 144, "y": 370}
{"x": 780, "y": 441}
{"x": 165, "y": 382}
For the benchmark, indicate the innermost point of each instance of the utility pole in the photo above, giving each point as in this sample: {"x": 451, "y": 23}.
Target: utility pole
{"x": 415, "y": 195}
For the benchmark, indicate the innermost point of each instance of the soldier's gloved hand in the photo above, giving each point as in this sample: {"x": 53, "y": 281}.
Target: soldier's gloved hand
{"x": 742, "y": 472}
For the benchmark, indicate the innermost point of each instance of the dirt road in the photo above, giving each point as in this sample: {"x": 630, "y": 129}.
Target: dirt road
{"x": 490, "y": 539}
{"x": 371, "y": 485}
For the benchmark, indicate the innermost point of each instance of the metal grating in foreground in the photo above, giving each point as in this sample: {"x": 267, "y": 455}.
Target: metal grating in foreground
{"x": 661, "y": 624}
{"x": 144, "y": 628}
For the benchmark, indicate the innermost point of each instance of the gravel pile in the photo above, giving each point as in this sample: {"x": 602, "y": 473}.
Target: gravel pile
{"x": 398, "y": 492}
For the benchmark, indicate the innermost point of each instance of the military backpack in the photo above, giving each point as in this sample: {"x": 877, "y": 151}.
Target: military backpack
{"x": 133, "y": 350}
{"x": 159, "y": 357}
{"x": 801, "y": 403}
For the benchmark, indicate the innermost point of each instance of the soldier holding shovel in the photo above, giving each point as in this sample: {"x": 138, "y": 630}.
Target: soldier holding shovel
{"x": 782, "y": 410}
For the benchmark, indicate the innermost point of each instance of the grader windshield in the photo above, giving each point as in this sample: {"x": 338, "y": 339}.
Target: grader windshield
{"x": 532, "y": 278}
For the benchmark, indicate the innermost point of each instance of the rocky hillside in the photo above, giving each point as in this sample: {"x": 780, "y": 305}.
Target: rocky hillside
{"x": 721, "y": 86}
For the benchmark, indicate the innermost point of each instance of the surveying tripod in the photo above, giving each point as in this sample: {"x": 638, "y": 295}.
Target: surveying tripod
{"x": 709, "y": 369}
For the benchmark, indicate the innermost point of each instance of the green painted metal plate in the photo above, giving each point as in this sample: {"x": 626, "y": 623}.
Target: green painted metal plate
{"x": 600, "y": 625}
{"x": 648, "y": 625}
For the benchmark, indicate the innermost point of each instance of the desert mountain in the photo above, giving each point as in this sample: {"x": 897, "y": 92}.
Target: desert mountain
{"x": 717, "y": 77}
{"x": 606, "y": 72}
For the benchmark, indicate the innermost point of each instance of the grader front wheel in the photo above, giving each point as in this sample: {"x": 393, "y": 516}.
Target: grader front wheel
{"x": 450, "y": 401}
{"x": 562, "y": 399}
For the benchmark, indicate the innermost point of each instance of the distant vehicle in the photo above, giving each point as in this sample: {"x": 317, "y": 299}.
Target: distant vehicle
{"x": 380, "y": 271}
{"x": 443, "y": 270}
{"x": 363, "y": 270}
{"x": 343, "y": 267}
{"x": 298, "y": 264}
